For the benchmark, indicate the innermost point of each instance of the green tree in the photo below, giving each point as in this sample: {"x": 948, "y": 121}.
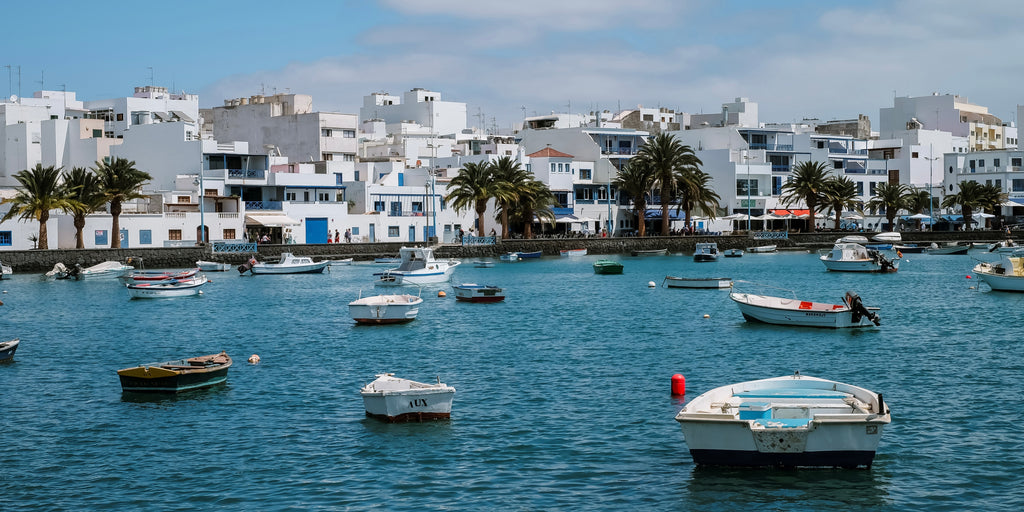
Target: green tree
{"x": 991, "y": 200}
{"x": 38, "y": 193}
{"x": 472, "y": 188}
{"x": 535, "y": 200}
{"x": 696, "y": 193}
{"x": 668, "y": 158}
{"x": 119, "y": 181}
{"x": 636, "y": 179}
{"x": 807, "y": 186}
{"x": 891, "y": 197}
{"x": 840, "y": 194}
{"x": 918, "y": 201}
{"x": 968, "y": 198}
{"x": 509, "y": 181}
{"x": 81, "y": 188}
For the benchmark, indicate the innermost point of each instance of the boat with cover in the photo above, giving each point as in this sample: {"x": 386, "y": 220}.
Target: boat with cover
{"x": 851, "y": 257}
{"x": 167, "y": 288}
{"x": 393, "y": 399}
{"x": 763, "y": 248}
{"x": 1006, "y": 275}
{"x": 698, "y": 282}
{"x": 649, "y": 252}
{"x": 7, "y": 349}
{"x": 888, "y": 236}
{"x": 289, "y": 264}
{"x": 573, "y": 252}
{"x": 106, "y": 269}
{"x": 733, "y": 253}
{"x": 607, "y": 267}
{"x": 176, "y": 376}
{"x": 213, "y": 266}
{"x": 802, "y": 313}
{"x": 789, "y": 421}
{"x": 385, "y": 309}
{"x": 472, "y": 292}
{"x": 418, "y": 267}
{"x": 705, "y": 251}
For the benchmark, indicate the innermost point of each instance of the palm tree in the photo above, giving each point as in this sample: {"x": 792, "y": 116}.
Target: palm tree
{"x": 807, "y": 185}
{"x": 917, "y": 201}
{"x": 119, "y": 181}
{"x": 509, "y": 180}
{"x": 668, "y": 158}
{"x": 38, "y": 194}
{"x": 697, "y": 194}
{"x": 892, "y": 197}
{"x": 535, "y": 200}
{"x": 968, "y": 197}
{"x": 636, "y": 179}
{"x": 840, "y": 194}
{"x": 473, "y": 187}
{"x": 82, "y": 190}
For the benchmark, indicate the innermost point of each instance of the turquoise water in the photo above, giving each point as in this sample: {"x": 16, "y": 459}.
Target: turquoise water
{"x": 562, "y": 392}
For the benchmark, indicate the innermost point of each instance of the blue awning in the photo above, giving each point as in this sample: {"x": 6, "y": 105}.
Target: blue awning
{"x": 672, "y": 214}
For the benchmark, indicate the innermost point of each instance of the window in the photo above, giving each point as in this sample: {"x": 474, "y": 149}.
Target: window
{"x": 1015, "y": 162}
{"x": 585, "y": 174}
{"x": 348, "y": 134}
{"x": 396, "y": 208}
{"x": 174, "y": 234}
{"x": 559, "y": 167}
{"x": 378, "y": 206}
{"x": 5, "y": 238}
{"x": 120, "y": 116}
{"x": 999, "y": 184}
{"x": 417, "y": 206}
{"x": 228, "y": 234}
{"x": 995, "y": 162}
{"x": 97, "y": 133}
{"x": 184, "y": 199}
{"x": 553, "y": 167}
{"x": 860, "y": 188}
{"x": 355, "y": 230}
{"x": 602, "y": 193}
{"x": 821, "y": 144}
{"x": 561, "y": 198}
{"x": 357, "y": 176}
{"x": 981, "y": 163}
{"x": 1017, "y": 186}
{"x": 326, "y": 132}
{"x": 289, "y": 196}
{"x": 145, "y": 236}
{"x": 584, "y": 194}
{"x": 323, "y": 196}
{"x": 913, "y": 154}
{"x": 872, "y": 188}
{"x": 393, "y": 231}
{"x": 745, "y": 187}
{"x": 328, "y": 157}
{"x": 348, "y": 157}
{"x": 971, "y": 165}
{"x": 837, "y": 164}
{"x": 776, "y": 185}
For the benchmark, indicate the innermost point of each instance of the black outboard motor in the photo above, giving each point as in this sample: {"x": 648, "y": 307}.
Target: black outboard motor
{"x": 75, "y": 271}
{"x": 247, "y": 266}
{"x": 858, "y": 309}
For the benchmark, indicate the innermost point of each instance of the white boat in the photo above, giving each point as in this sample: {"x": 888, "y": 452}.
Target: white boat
{"x": 697, "y": 282}
{"x": 472, "y": 292}
{"x": 213, "y": 266}
{"x": 733, "y": 253}
{"x": 385, "y": 309}
{"x": 888, "y": 236}
{"x": 5, "y": 271}
{"x": 705, "y": 251}
{"x": 340, "y": 263}
{"x": 853, "y": 239}
{"x": 788, "y": 421}
{"x": 387, "y": 261}
{"x": 143, "y": 276}
{"x": 948, "y": 249}
{"x": 801, "y": 313}
{"x": 573, "y": 252}
{"x": 418, "y": 267}
{"x": 167, "y": 288}
{"x": 392, "y": 399}
{"x": 851, "y": 257}
{"x": 290, "y": 264}
{"x": 107, "y": 269}
{"x": 1004, "y": 246}
{"x": 1006, "y": 275}
{"x": 509, "y": 257}
{"x": 483, "y": 264}
{"x": 763, "y": 248}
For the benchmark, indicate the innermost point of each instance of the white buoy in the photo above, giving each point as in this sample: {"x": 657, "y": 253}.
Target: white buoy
{"x": 650, "y": 284}
{"x": 707, "y": 316}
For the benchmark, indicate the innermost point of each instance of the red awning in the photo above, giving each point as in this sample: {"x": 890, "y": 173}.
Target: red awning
{"x": 798, "y": 213}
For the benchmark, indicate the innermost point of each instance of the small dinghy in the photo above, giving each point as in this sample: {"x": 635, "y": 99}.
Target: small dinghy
{"x": 472, "y": 292}
{"x": 802, "y": 313}
{"x": 385, "y": 309}
{"x": 176, "y": 376}
{"x": 7, "y": 350}
{"x": 392, "y": 399}
{"x": 697, "y": 282}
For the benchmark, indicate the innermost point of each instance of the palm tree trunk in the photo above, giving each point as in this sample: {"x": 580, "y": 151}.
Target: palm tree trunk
{"x": 504, "y": 221}
{"x": 664, "y": 214}
{"x": 115, "y": 227}
{"x": 528, "y": 224}
{"x": 79, "y": 228}
{"x": 641, "y": 218}
{"x": 43, "y": 244}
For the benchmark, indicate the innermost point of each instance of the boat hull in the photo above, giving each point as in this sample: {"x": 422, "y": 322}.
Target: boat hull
{"x": 698, "y": 283}
{"x": 385, "y": 309}
{"x": 606, "y": 267}
{"x": 703, "y": 258}
{"x": 949, "y": 250}
{"x": 169, "y": 289}
{"x": 793, "y": 312}
{"x": 530, "y": 255}
{"x": 399, "y": 278}
{"x": 275, "y": 268}
{"x": 853, "y": 266}
{"x": 1002, "y": 283}
{"x": 174, "y": 376}
{"x": 409, "y": 405}
{"x": 213, "y": 266}
{"x": 762, "y": 249}
{"x": 477, "y": 293}
{"x": 7, "y": 350}
{"x": 650, "y": 252}
{"x": 573, "y": 252}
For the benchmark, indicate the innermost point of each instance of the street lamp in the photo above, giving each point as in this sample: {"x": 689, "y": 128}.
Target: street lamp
{"x": 931, "y": 179}
{"x": 202, "y": 209}
{"x": 746, "y": 160}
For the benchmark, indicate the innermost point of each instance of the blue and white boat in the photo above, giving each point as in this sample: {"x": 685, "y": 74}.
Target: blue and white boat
{"x": 418, "y": 267}
{"x": 7, "y": 349}
{"x": 530, "y": 255}
{"x": 787, "y": 421}
{"x": 705, "y": 251}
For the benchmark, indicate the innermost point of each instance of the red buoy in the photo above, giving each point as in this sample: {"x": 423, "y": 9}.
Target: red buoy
{"x": 678, "y": 385}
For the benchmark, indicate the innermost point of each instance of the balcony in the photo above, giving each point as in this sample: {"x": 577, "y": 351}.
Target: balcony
{"x": 247, "y": 174}
{"x": 263, "y": 205}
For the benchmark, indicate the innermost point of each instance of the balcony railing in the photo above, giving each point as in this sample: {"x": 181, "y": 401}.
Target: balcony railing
{"x": 771, "y": 147}
{"x": 263, "y": 205}
{"x": 224, "y": 247}
{"x": 246, "y": 174}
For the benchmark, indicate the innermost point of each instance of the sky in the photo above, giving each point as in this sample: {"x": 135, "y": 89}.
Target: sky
{"x": 795, "y": 59}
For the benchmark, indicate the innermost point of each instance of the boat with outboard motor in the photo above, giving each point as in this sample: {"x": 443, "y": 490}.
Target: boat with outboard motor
{"x": 1005, "y": 275}
{"x": 705, "y": 251}
{"x": 418, "y": 267}
{"x": 802, "y": 313}
{"x": 289, "y": 264}
{"x": 851, "y": 257}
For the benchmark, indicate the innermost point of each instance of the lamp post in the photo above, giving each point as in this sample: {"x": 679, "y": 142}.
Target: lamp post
{"x": 202, "y": 209}
{"x": 433, "y": 179}
{"x": 746, "y": 160}
{"x": 931, "y": 183}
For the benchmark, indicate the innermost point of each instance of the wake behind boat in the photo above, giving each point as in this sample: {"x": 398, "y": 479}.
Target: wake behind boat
{"x": 801, "y": 313}
{"x": 787, "y": 421}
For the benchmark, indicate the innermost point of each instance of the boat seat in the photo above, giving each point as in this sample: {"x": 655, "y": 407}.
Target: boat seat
{"x": 782, "y": 422}
{"x": 791, "y": 393}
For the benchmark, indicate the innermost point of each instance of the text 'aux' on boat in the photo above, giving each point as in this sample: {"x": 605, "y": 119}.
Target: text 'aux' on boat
{"x": 394, "y": 399}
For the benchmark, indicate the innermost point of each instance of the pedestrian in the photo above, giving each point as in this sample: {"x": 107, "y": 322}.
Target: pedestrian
{"x": 337, "y": 236}
{"x": 348, "y": 236}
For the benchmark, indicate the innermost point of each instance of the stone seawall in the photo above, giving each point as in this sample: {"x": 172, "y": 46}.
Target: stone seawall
{"x": 183, "y": 257}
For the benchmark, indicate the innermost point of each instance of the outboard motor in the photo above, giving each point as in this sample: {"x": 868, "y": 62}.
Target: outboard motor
{"x": 858, "y": 309}
{"x": 74, "y": 271}
{"x": 247, "y": 266}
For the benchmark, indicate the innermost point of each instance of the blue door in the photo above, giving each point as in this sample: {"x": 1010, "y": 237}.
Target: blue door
{"x": 373, "y": 233}
{"x": 412, "y": 233}
{"x": 316, "y": 230}
{"x": 124, "y": 238}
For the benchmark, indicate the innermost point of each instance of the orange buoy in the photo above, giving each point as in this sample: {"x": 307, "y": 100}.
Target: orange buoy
{"x": 442, "y": 294}
{"x": 254, "y": 359}
{"x": 678, "y": 385}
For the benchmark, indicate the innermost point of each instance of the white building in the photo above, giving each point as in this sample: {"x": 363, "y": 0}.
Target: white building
{"x": 417, "y": 106}
{"x": 947, "y": 113}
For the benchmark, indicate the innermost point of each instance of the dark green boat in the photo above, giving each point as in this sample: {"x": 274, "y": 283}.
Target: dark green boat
{"x": 607, "y": 267}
